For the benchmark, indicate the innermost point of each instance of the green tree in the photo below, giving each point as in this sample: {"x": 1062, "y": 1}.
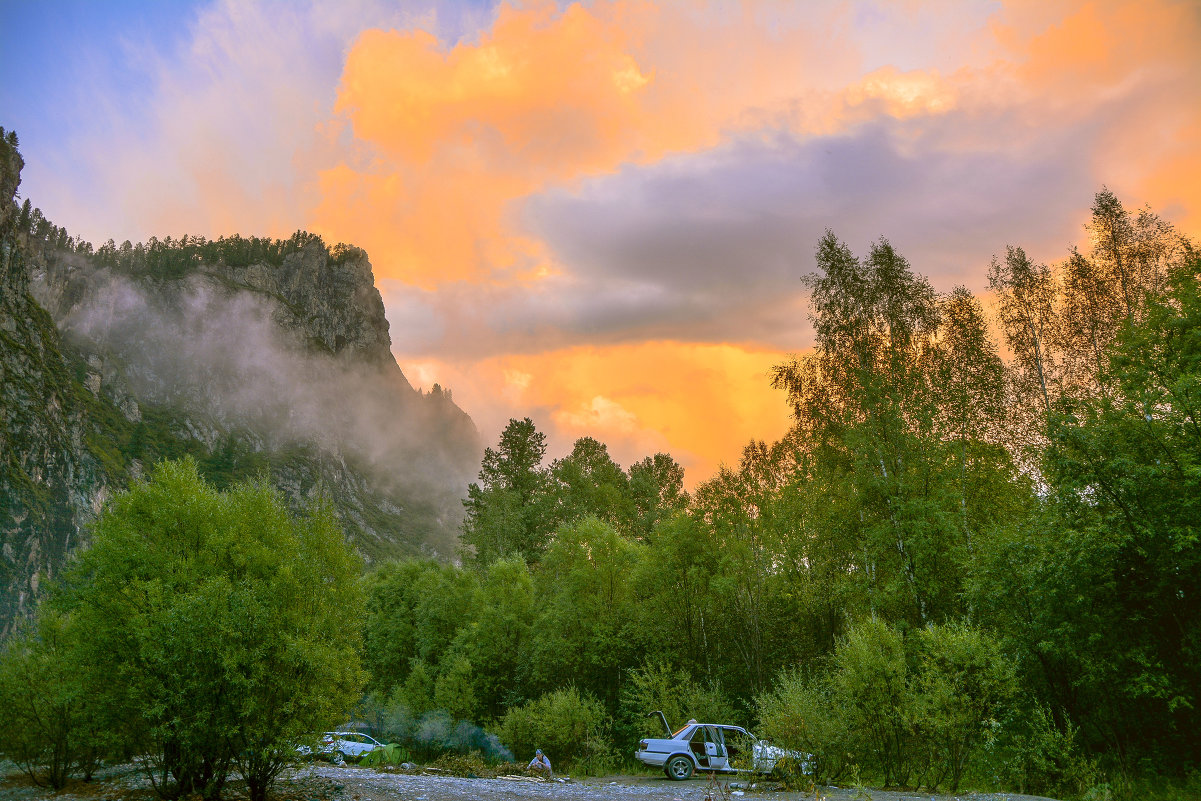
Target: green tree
{"x": 673, "y": 573}
{"x": 1094, "y": 585}
{"x": 25, "y": 221}
{"x": 446, "y": 601}
{"x": 584, "y": 628}
{"x": 745, "y": 515}
{"x": 656, "y": 492}
{"x": 215, "y": 627}
{"x": 587, "y": 482}
{"x": 454, "y": 690}
{"x": 1130, "y": 257}
{"x": 1125, "y": 465}
{"x": 51, "y": 722}
{"x": 1027, "y": 305}
{"x": 417, "y": 692}
{"x": 500, "y": 634}
{"x": 390, "y": 629}
{"x": 505, "y": 509}
{"x": 887, "y": 413}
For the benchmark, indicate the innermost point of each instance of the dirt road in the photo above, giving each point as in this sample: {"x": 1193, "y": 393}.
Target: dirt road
{"x": 321, "y": 782}
{"x": 358, "y": 784}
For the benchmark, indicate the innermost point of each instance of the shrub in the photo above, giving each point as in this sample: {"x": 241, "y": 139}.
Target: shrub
{"x": 49, "y": 722}
{"x": 963, "y": 683}
{"x": 870, "y": 683}
{"x": 656, "y": 686}
{"x": 1034, "y": 753}
{"x": 215, "y": 627}
{"x": 566, "y": 724}
{"x": 801, "y": 714}
{"x": 911, "y": 710}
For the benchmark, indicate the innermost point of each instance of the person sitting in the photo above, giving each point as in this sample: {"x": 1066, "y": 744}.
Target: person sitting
{"x": 540, "y": 764}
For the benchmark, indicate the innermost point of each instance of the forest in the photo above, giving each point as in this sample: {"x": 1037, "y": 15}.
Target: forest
{"x": 973, "y": 563}
{"x": 974, "y": 560}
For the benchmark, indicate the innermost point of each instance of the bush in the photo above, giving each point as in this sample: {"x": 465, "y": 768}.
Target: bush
{"x": 908, "y": 710}
{"x": 49, "y": 721}
{"x": 963, "y": 683}
{"x": 801, "y": 714}
{"x": 870, "y": 683}
{"x": 656, "y": 686}
{"x": 215, "y": 627}
{"x": 567, "y": 725}
{"x": 1033, "y": 753}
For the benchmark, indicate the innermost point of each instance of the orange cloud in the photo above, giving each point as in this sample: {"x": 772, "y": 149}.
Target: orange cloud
{"x": 542, "y": 89}
{"x": 904, "y": 94}
{"x": 458, "y": 134}
{"x": 1138, "y": 56}
{"x": 446, "y": 139}
{"x": 545, "y": 97}
{"x": 701, "y": 403}
{"x": 425, "y": 151}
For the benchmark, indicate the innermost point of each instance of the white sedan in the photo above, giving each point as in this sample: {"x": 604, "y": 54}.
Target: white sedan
{"x": 714, "y": 747}
{"x": 340, "y": 746}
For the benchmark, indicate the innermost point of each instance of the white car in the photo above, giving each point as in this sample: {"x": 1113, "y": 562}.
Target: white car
{"x": 715, "y": 747}
{"x": 340, "y": 746}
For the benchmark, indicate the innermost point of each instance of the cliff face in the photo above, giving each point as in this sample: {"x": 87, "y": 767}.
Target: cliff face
{"x": 47, "y": 483}
{"x": 333, "y": 304}
{"x": 248, "y": 363}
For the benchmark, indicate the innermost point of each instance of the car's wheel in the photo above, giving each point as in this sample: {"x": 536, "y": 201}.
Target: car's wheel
{"x": 339, "y": 758}
{"x": 678, "y": 768}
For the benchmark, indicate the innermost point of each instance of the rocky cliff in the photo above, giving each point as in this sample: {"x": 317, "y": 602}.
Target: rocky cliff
{"x": 47, "y": 481}
{"x": 251, "y": 356}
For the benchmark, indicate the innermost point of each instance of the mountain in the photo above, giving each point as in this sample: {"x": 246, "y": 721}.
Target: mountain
{"x": 254, "y": 356}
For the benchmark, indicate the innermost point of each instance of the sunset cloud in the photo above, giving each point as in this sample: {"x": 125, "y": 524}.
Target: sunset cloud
{"x": 697, "y": 402}
{"x": 598, "y": 214}
{"x": 545, "y": 97}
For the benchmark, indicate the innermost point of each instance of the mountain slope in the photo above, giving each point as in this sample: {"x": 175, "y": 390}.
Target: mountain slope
{"x": 252, "y": 356}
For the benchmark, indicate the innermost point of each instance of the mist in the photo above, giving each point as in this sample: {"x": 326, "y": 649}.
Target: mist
{"x": 436, "y": 732}
{"x": 220, "y": 353}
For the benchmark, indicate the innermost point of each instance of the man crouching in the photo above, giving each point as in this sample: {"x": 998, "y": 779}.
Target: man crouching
{"x": 540, "y": 764}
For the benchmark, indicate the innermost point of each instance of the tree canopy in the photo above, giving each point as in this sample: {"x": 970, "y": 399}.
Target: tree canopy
{"x": 215, "y": 626}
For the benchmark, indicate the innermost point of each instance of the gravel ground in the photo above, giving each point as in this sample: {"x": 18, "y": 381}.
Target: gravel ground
{"x": 332, "y": 783}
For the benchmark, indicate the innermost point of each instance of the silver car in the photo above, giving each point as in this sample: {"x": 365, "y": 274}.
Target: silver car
{"x": 714, "y": 747}
{"x": 340, "y": 746}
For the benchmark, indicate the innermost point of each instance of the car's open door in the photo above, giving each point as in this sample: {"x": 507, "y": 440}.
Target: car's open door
{"x": 715, "y": 747}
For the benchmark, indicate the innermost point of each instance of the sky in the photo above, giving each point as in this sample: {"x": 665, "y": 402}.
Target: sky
{"x": 597, "y": 215}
